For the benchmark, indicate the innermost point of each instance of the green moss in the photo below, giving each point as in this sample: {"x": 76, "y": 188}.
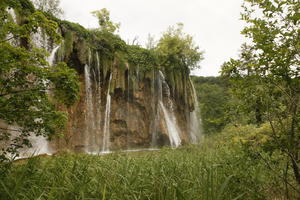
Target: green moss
{"x": 83, "y": 49}
{"x": 144, "y": 58}
{"x": 74, "y": 27}
{"x": 68, "y": 43}
{"x": 24, "y": 7}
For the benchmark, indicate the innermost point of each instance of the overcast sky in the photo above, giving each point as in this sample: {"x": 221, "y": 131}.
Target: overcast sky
{"x": 214, "y": 24}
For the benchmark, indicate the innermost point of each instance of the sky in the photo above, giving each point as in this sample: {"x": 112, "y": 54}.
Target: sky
{"x": 214, "y": 24}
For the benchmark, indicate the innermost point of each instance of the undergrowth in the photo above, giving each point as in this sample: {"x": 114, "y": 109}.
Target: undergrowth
{"x": 216, "y": 169}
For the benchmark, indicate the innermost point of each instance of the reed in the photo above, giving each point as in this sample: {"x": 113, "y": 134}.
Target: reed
{"x": 212, "y": 170}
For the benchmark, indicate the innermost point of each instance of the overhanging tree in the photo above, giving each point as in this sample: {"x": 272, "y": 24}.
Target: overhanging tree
{"x": 29, "y": 89}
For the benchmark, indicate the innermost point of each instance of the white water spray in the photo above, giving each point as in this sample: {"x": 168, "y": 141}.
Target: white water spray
{"x": 169, "y": 116}
{"x": 106, "y": 134}
{"x": 89, "y": 116}
{"x": 51, "y": 58}
{"x": 40, "y": 39}
{"x": 155, "y": 113}
{"x": 195, "y": 122}
{"x": 40, "y": 145}
{"x": 98, "y": 97}
{"x": 13, "y": 15}
{"x": 175, "y": 140}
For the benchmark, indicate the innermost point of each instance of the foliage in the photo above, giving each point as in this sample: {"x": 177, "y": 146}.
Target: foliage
{"x": 217, "y": 169}
{"x": 178, "y": 50}
{"x": 49, "y": 6}
{"x": 24, "y": 7}
{"x": 25, "y": 82}
{"x": 145, "y": 59}
{"x": 257, "y": 144}
{"x": 267, "y": 73}
{"x": 213, "y": 100}
{"x": 247, "y": 86}
{"x": 12, "y": 31}
{"x": 104, "y": 21}
{"x": 74, "y": 27}
{"x": 107, "y": 43}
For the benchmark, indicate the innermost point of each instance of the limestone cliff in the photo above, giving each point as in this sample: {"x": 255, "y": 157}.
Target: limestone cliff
{"x": 122, "y": 105}
{"x": 127, "y": 100}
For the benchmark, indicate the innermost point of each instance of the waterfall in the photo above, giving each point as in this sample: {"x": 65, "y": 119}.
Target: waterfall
{"x": 127, "y": 106}
{"x": 195, "y": 122}
{"x": 155, "y": 114}
{"x": 98, "y": 98}
{"x": 13, "y": 15}
{"x": 40, "y": 145}
{"x": 40, "y": 39}
{"x": 106, "y": 134}
{"x": 169, "y": 116}
{"x": 174, "y": 138}
{"x": 51, "y": 58}
{"x": 10, "y": 37}
{"x": 89, "y": 115}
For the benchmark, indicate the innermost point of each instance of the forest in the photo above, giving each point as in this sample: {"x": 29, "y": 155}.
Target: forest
{"x": 86, "y": 115}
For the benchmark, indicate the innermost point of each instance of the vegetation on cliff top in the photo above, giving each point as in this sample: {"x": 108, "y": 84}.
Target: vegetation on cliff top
{"x": 175, "y": 50}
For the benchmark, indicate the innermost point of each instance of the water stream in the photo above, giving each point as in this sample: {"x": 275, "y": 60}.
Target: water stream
{"x": 40, "y": 145}
{"x": 195, "y": 122}
{"x": 174, "y": 138}
{"x": 89, "y": 113}
{"x": 51, "y": 58}
{"x": 13, "y": 15}
{"x": 106, "y": 131}
{"x": 168, "y": 114}
{"x": 98, "y": 101}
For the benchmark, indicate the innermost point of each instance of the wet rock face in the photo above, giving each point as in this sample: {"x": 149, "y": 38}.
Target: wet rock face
{"x": 121, "y": 108}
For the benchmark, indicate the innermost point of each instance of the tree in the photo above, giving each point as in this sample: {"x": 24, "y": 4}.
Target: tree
{"x": 28, "y": 89}
{"x": 178, "y": 50}
{"x": 271, "y": 72}
{"x": 104, "y": 21}
{"x": 247, "y": 85}
{"x": 213, "y": 100}
{"x": 151, "y": 42}
{"x": 49, "y": 6}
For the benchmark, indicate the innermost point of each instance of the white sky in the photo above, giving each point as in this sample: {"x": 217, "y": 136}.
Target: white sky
{"x": 214, "y": 24}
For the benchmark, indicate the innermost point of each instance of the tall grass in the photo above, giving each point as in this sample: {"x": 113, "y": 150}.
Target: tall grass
{"x": 213, "y": 170}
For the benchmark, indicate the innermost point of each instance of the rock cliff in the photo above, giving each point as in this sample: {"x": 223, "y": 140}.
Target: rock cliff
{"x": 122, "y": 105}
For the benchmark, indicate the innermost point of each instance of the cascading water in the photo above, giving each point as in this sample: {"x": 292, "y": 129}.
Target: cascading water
{"x": 195, "y": 122}
{"x": 40, "y": 145}
{"x": 155, "y": 114}
{"x": 10, "y": 37}
{"x": 89, "y": 115}
{"x": 51, "y": 58}
{"x": 174, "y": 138}
{"x": 127, "y": 105}
{"x": 40, "y": 39}
{"x": 169, "y": 117}
{"x": 98, "y": 99}
{"x": 106, "y": 133}
{"x": 12, "y": 13}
